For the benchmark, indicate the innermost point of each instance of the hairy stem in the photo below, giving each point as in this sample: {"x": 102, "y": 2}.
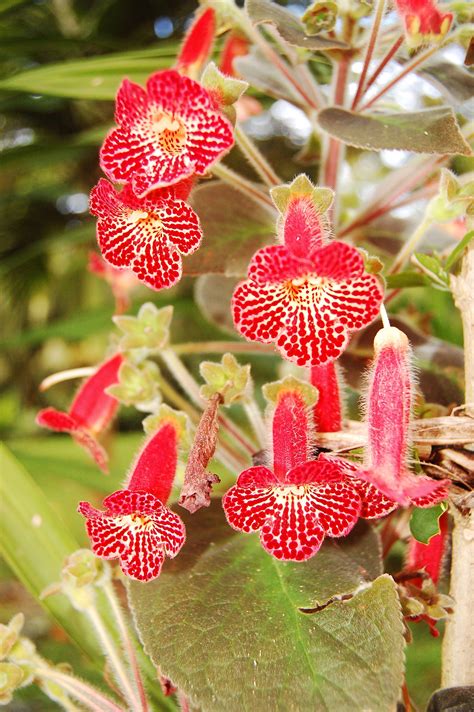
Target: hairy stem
{"x": 256, "y": 158}
{"x": 409, "y": 246}
{"x": 127, "y": 642}
{"x": 245, "y": 186}
{"x": 379, "y": 69}
{"x": 379, "y": 10}
{"x": 409, "y": 67}
{"x": 81, "y": 691}
{"x": 458, "y": 641}
{"x": 116, "y": 663}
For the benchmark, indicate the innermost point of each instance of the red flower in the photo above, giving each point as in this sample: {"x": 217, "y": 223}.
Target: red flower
{"x": 293, "y": 514}
{"x": 136, "y": 526}
{"x": 429, "y": 557}
{"x": 389, "y": 405}
{"x": 307, "y": 305}
{"x": 165, "y": 133}
{"x": 197, "y": 44}
{"x": 91, "y": 412}
{"x": 424, "y": 23}
{"x": 300, "y": 502}
{"x": 147, "y": 235}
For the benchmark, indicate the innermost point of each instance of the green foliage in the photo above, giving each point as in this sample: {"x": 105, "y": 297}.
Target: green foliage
{"x": 225, "y": 600}
{"x": 424, "y": 523}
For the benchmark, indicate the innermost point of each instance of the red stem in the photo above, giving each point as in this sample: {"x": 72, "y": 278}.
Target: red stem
{"x": 391, "y": 53}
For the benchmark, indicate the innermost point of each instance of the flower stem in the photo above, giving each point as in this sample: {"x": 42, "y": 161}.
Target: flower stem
{"x": 87, "y": 695}
{"x": 384, "y": 317}
{"x": 256, "y": 159}
{"x": 379, "y": 69}
{"x": 110, "y": 649}
{"x": 68, "y": 375}
{"x": 370, "y": 51}
{"x": 127, "y": 642}
{"x": 409, "y": 67}
{"x": 410, "y": 245}
{"x": 245, "y": 186}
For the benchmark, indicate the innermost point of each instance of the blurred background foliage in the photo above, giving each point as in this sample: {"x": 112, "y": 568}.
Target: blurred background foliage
{"x": 56, "y": 315}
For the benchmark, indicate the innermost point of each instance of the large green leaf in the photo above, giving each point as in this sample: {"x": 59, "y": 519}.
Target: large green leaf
{"x": 35, "y": 543}
{"x": 428, "y": 131}
{"x": 91, "y": 78}
{"x": 234, "y": 227}
{"x": 235, "y": 629}
{"x": 288, "y": 25}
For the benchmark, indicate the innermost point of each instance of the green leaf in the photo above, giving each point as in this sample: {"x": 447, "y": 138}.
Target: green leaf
{"x": 424, "y": 523}
{"x": 428, "y": 131}
{"x": 35, "y": 543}
{"x": 456, "y": 254}
{"x": 288, "y": 25}
{"x": 234, "y": 227}
{"x": 91, "y": 78}
{"x": 224, "y": 605}
{"x": 407, "y": 279}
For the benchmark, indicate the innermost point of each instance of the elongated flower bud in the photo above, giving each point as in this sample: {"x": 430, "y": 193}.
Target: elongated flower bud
{"x": 197, "y": 44}
{"x": 328, "y": 409}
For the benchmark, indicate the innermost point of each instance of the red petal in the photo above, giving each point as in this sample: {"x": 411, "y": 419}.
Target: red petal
{"x": 250, "y": 502}
{"x": 235, "y": 46}
{"x": 131, "y": 103}
{"x": 64, "y": 423}
{"x": 275, "y": 264}
{"x": 56, "y": 420}
{"x": 374, "y": 503}
{"x": 258, "y": 310}
{"x": 292, "y": 535}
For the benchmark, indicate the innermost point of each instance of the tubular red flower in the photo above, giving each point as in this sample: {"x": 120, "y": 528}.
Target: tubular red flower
{"x": 166, "y": 132}
{"x": 147, "y": 235}
{"x": 307, "y": 306}
{"x": 197, "y": 44}
{"x": 236, "y": 45}
{"x": 388, "y": 413}
{"x": 300, "y": 502}
{"x": 91, "y": 412}
{"x": 136, "y": 526}
{"x": 423, "y": 22}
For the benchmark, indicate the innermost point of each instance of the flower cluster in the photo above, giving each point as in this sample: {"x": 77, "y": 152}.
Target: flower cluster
{"x": 167, "y": 133}
{"x": 423, "y": 22}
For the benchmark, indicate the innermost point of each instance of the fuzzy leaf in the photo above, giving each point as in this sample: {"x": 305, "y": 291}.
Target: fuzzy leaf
{"x": 456, "y": 254}
{"x": 433, "y": 269}
{"x": 454, "y": 82}
{"x": 235, "y": 226}
{"x": 424, "y": 523}
{"x": 428, "y": 131}
{"x": 226, "y": 605}
{"x": 288, "y": 25}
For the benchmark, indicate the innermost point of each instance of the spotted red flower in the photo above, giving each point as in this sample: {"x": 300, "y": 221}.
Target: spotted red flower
{"x": 306, "y": 305}
{"x": 147, "y": 235}
{"x": 389, "y": 404}
{"x": 91, "y": 412}
{"x": 298, "y": 503}
{"x": 166, "y": 132}
{"x": 424, "y": 23}
{"x": 136, "y": 527}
